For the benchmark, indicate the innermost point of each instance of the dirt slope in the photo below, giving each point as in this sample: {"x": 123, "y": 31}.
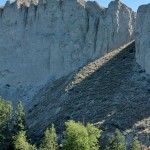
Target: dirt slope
{"x": 112, "y": 92}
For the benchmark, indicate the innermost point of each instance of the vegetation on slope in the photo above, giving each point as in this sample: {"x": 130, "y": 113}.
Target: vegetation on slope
{"x": 112, "y": 91}
{"x": 77, "y": 136}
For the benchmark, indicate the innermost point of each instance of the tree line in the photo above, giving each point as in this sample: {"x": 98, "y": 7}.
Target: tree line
{"x": 77, "y": 136}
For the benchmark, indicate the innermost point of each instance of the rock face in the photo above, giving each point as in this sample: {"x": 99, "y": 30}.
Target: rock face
{"x": 44, "y": 42}
{"x": 143, "y": 37}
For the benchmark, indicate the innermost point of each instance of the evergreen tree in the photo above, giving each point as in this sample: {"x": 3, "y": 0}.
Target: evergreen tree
{"x": 50, "y": 139}
{"x": 117, "y": 142}
{"x": 19, "y": 118}
{"x": 5, "y": 111}
{"x": 6, "y": 124}
{"x": 135, "y": 145}
{"x": 21, "y": 143}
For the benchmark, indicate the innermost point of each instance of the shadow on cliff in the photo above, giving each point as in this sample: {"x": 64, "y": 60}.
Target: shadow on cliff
{"x": 115, "y": 95}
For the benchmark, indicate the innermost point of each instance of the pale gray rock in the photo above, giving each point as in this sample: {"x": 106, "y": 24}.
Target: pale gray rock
{"x": 143, "y": 37}
{"x": 42, "y": 42}
{"x": 120, "y": 21}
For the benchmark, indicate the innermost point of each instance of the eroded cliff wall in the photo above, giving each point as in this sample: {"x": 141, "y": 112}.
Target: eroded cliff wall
{"x": 143, "y": 37}
{"x": 56, "y": 37}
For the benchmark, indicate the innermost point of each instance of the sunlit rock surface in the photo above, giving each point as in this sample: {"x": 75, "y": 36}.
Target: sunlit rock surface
{"x": 42, "y": 42}
{"x": 143, "y": 37}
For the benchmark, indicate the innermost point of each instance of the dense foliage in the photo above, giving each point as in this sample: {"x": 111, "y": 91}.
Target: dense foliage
{"x": 93, "y": 135}
{"x": 80, "y": 137}
{"x": 76, "y": 136}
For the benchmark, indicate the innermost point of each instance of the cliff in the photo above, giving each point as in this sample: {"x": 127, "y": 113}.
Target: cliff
{"x": 46, "y": 40}
{"x": 143, "y": 37}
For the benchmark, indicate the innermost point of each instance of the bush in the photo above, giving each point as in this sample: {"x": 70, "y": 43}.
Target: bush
{"x": 50, "y": 139}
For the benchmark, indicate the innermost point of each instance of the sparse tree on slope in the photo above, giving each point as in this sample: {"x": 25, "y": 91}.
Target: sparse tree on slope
{"x": 50, "y": 139}
{"x": 6, "y": 125}
{"x": 135, "y": 145}
{"x": 21, "y": 143}
{"x": 20, "y": 118}
{"x": 117, "y": 142}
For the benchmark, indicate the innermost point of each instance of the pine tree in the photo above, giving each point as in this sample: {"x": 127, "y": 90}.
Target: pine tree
{"x": 135, "y": 145}
{"x": 117, "y": 142}
{"x": 19, "y": 118}
{"x": 5, "y": 111}
{"x": 6, "y": 125}
{"x": 21, "y": 143}
{"x": 50, "y": 139}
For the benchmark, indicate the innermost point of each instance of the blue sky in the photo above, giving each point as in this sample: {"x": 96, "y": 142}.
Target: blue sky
{"x": 134, "y": 4}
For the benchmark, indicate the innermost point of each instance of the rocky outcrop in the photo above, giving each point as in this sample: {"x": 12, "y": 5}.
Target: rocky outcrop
{"x": 44, "y": 42}
{"x": 143, "y": 37}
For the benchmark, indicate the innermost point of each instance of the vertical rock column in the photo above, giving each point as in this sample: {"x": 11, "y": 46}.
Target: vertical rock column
{"x": 143, "y": 37}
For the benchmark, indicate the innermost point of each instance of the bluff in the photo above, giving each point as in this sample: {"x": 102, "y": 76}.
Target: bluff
{"x": 143, "y": 37}
{"x": 44, "y": 41}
